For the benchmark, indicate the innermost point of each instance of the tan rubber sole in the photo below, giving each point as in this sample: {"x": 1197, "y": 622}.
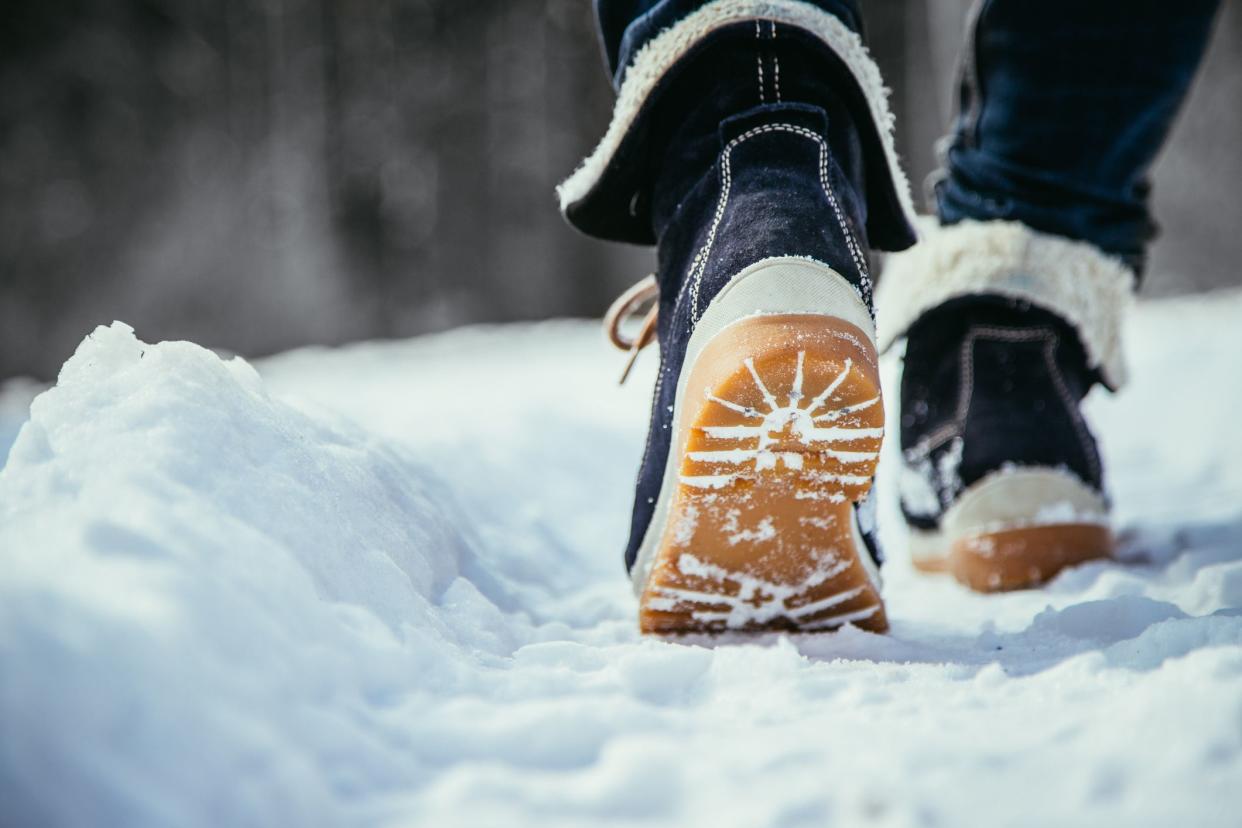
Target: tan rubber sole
{"x": 1020, "y": 558}
{"x": 779, "y": 434}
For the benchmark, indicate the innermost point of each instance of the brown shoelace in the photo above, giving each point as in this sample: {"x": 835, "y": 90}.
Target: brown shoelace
{"x": 627, "y": 305}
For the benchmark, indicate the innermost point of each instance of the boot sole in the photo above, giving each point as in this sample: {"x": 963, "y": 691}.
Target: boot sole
{"x": 994, "y": 539}
{"x": 778, "y": 435}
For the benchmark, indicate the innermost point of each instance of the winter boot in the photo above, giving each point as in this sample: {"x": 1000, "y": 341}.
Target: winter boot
{"x": 750, "y": 143}
{"x": 1006, "y": 330}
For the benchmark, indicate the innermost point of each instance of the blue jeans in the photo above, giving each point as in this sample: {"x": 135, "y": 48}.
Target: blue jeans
{"x": 1064, "y": 105}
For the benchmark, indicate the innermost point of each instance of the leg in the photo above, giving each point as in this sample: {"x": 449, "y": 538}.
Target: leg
{"x": 750, "y": 142}
{"x": 1012, "y": 308}
{"x": 1063, "y": 107}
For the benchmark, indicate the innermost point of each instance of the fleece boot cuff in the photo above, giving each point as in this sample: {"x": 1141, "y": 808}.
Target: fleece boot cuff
{"x": 1088, "y": 289}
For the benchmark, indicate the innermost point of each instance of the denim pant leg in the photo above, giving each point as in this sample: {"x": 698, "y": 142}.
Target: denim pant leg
{"x": 1063, "y": 107}
{"x": 625, "y": 25}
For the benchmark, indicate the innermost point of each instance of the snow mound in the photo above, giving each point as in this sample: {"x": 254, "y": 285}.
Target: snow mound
{"x": 182, "y": 554}
{"x": 381, "y": 585}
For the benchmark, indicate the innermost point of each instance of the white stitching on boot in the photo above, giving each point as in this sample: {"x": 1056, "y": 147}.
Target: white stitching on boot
{"x": 759, "y": 61}
{"x": 776, "y": 68}
{"x": 699, "y": 264}
{"x": 956, "y": 429}
{"x": 1050, "y": 341}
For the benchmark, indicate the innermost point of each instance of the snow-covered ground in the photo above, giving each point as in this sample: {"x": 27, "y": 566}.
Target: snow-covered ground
{"x": 381, "y": 585}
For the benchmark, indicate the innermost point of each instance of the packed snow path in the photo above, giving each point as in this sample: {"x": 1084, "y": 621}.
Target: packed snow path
{"x": 381, "y": 585}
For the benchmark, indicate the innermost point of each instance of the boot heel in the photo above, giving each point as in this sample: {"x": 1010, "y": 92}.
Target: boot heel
{"x": 1017, "y": 529}
{"x": 778, "y": 437}
{"x": 1026, "y": 556}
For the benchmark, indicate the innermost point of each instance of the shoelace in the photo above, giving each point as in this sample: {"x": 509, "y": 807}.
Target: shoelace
{"x": 625, "y": 306}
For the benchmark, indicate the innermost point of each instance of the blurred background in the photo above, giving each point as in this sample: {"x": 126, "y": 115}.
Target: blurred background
{"x": 255, "y": 175}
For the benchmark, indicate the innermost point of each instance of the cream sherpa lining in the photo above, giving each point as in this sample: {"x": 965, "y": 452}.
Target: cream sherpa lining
{"x": 1074, "y": 280}
{"x": 660, "y": 53}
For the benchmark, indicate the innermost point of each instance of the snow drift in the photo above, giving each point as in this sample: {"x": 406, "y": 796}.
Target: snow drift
{"x": 381, "y": 586}
{"x": 183, "y": 556}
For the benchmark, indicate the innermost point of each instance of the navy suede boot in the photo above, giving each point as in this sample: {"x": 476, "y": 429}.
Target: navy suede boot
{"x": 761, "y": 192}
{"x": 1006, "y": 331}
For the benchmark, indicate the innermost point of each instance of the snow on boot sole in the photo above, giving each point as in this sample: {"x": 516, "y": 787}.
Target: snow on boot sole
{"x": 777, "y": 431}
{"x": 1016, "y": 529}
